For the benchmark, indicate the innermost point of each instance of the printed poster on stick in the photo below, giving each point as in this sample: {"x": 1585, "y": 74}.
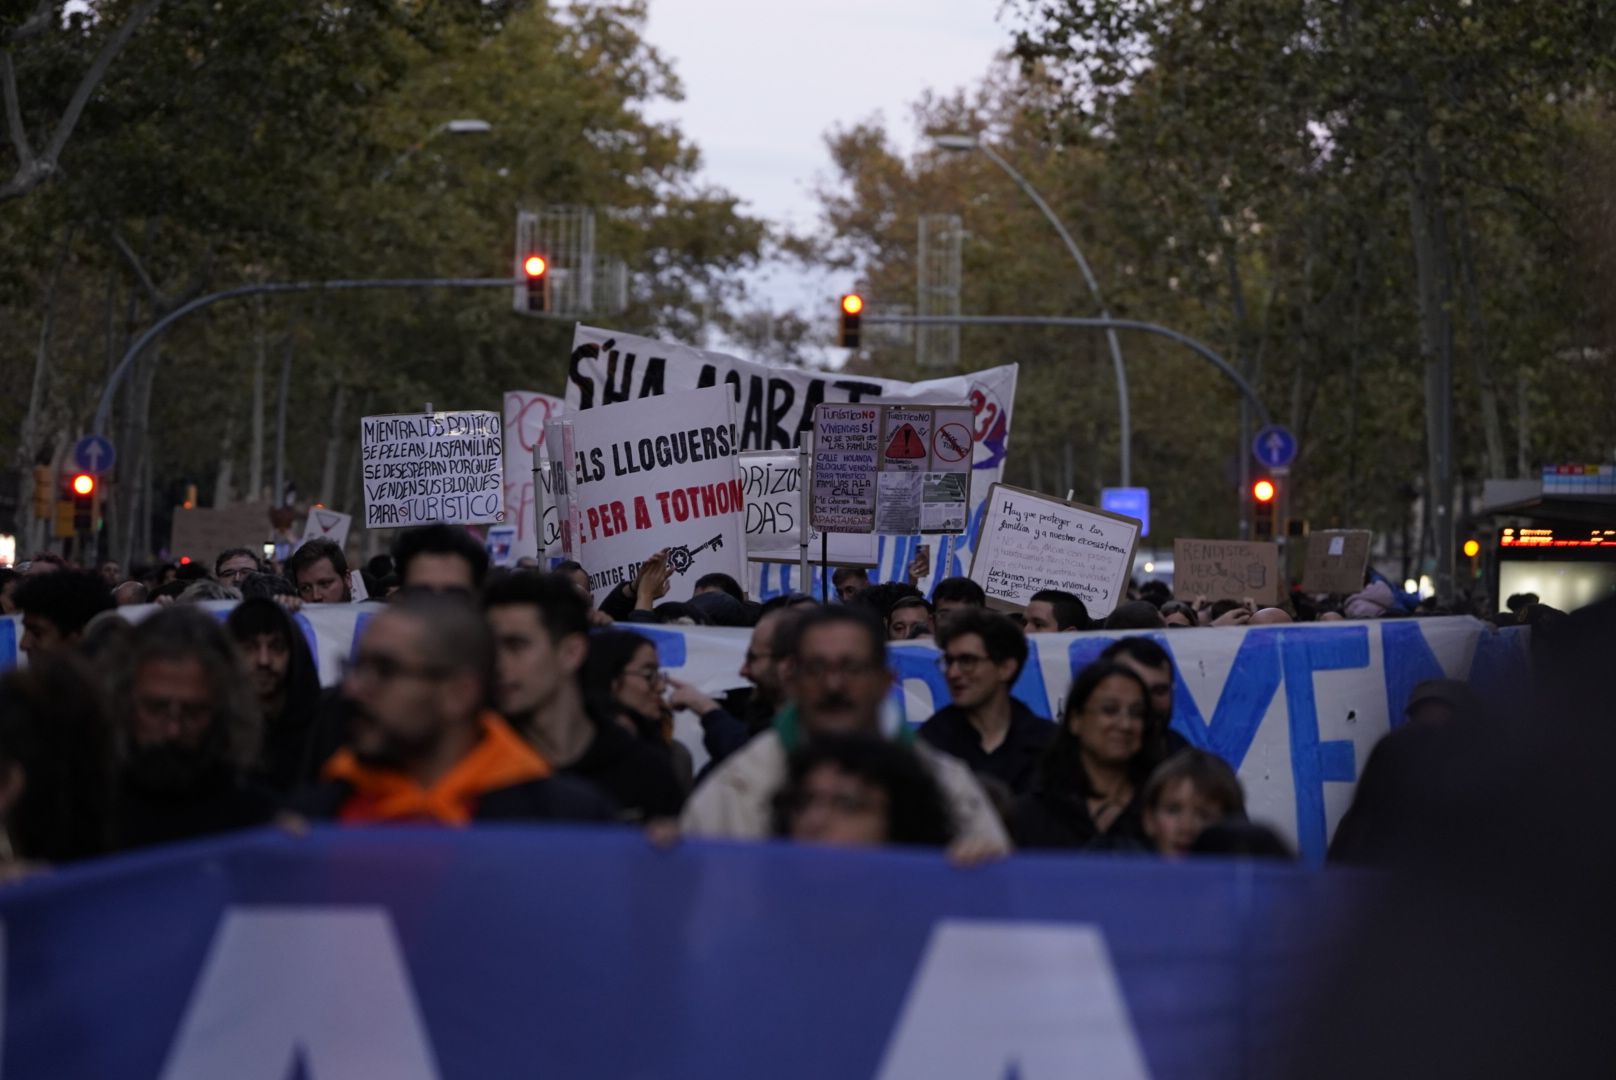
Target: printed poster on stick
{"x": 1227, "y": 569}
{"x": 426, "y": 467}
{"x": 914, "y": 478}
{"x": 1031, "y": 542}
{"x": 658, "y": 473}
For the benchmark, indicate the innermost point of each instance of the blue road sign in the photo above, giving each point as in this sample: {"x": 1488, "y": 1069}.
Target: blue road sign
{"x": 1274, "y": 446}
{"x": 1134, "y": 502}
{"x": 94, "y": 453}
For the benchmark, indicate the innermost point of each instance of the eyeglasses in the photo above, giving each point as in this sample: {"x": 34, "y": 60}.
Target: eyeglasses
{"x": 651, "y": 675}
{"x": 846, "y": 669}
{"x": 386, "y": 669}
{"x": 188, "y": 714}
{"x": 966, "y": 662}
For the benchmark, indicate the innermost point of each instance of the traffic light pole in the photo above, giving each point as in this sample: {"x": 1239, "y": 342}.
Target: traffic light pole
{"x": 103, "y": 411}
{"x": 1107, "y": 324}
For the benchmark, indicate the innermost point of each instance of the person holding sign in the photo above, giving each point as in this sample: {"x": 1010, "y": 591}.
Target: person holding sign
{"x": 1087, "y": 793}
{"x": 982, "y": 656}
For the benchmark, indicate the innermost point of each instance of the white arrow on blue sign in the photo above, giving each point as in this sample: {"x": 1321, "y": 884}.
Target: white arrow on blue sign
{"x": 94, "y": 453}
{"x": 1274, "y": 446}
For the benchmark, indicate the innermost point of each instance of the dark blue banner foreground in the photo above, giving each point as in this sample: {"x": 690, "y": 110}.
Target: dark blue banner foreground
{"x": 405, "y": 954}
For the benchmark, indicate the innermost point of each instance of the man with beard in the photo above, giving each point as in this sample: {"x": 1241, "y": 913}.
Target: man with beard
{"x": 286, "y": 683}
{"x": 423, "y": 746}
{"x": 190, "y": 728}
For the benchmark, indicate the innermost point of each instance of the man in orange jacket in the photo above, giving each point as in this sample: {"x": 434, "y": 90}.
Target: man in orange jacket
{"x": 422, "y": 744}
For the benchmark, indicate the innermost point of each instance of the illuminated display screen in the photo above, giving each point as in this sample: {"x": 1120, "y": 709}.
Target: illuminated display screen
{"x": 1547, "y": 538}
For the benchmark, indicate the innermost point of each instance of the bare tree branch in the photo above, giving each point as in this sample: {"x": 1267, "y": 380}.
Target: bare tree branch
{"x": 30, "y": 174}
{"x": 35, "y": 24}
{"x": 158, "y": 300}
{"x": 14, "y": 125}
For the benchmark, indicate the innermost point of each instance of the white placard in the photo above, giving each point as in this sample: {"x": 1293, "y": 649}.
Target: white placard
{"x": 1031, "y": 542}
{"x": 773, "y": 485}
{"x": 526, "y": 414}
{"x": 326, "y": 524}
{"x": 426, "y": 467}
{"x": 658, "y": 473}
{"x": 847, "y": 449}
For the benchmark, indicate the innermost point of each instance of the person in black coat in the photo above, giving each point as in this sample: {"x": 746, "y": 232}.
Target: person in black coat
{"x": 1088, "y": 792}
{"x": 287, "y": 684}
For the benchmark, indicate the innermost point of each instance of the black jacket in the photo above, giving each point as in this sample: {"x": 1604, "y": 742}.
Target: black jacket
{"x": 220, "y": 803}
{"x": 1014, "y": 762}
{"x": 1045, "y": 819}
{"x": 637, "y": 776}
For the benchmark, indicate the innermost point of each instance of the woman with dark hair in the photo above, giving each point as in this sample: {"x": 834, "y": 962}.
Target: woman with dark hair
{"x": 859, "y": 790}
{"x": 623, "y": 679}
{"x": 1088, "y": 791}
{"x": 56, "y": 763}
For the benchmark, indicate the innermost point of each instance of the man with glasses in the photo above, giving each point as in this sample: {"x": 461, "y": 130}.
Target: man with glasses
{"x": 191, "y": 727}
{"x": 838, "y": 678}
{"x": 423, "y": 745}
{"x": 234, "y": 565}
{"x": 993, "y": 733}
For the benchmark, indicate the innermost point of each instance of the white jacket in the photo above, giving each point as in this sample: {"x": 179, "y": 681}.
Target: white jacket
{"x": 735, "y": 801}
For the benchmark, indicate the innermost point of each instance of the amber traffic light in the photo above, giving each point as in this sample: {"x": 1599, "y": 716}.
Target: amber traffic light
{"x": 852, "y": 308}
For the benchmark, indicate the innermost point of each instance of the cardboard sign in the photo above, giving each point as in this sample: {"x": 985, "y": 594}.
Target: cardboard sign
{"x": 912, "y": 474}
{"x": 1227, "y": 569}
{"x": 201, "y": 534}
{"x": 526, "y": 414}
{"x": 653, "y": 474}
{"x": 1336, "y": 559}
{"x": 772, "y": 483}
{"x": 327, "y": 524}
{"x": 426, "y": 467}
{"x": 1030, "y": 542}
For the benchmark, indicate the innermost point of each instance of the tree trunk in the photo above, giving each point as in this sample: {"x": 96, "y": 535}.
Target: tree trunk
{"x": 1480, "y": 347}
{"x": 255, "y": 461}
{"x": 1434, "y": 279}
{"x": 28, "y": 445}
{"x": 333, "y": 450}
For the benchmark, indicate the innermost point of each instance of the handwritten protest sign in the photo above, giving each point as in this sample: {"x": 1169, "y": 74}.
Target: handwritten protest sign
{"x": 526, "y": 414}
{"x": 1233, "y": 569}
{"x": 426, "y": 467}
{"x": 658, "y": 473}
{"x": 1336, "y": 559}
{"x": 323, "y": 524}
{"x": 847, "y": 448}
{"x": 1031, "y": 542}
{"x": 914, "y": 476}
{"x": 772, "y": 482}
{"x": 201, "y": 534}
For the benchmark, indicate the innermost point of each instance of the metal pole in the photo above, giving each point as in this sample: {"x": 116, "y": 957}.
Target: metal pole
{"x": 538, "y": 501}
{"x": 1124, "y": 418}
{"x": 280, "y": 426}
{"x": 805, "y": 464}
{"x": 1200, "y": 349}
{"x": 103, "y": 410}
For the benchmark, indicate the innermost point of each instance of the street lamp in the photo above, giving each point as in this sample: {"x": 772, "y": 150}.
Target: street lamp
{"x": 968, "y": 143}
{"x": 467, "y": 126}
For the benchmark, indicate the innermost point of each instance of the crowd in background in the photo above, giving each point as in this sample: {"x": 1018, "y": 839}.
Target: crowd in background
{"x": 480, "y": 694}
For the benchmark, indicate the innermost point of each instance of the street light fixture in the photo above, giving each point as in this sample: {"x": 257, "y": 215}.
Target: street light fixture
{"x": 963, "y": 143}
{"x": 464, "y": 126}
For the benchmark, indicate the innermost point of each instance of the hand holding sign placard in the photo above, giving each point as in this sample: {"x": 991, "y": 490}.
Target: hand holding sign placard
{"x": 1032, "y": 542}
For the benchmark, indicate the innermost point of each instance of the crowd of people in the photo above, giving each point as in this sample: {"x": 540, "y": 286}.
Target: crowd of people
{"x": 479, "y": 694}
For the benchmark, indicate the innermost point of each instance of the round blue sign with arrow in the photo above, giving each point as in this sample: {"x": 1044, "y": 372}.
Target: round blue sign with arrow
{"x": 1274, "y": 447}
{"x": 94, "y": 454}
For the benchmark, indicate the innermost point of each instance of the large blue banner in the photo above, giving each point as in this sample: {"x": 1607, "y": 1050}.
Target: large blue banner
{"x": 417, "y": 953}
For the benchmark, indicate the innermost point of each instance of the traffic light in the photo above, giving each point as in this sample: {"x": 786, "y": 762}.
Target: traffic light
{"x": 852, "y": 308}
{"x": 1470, "y": 548}
{"x": 1264, "y": 507}
{"x": 537, "y": 270}
{"x": 83, "y": 485}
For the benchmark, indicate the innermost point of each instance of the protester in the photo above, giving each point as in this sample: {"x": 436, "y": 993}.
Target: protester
{"x": 129, "y": 594}
{"x": 764, "y": 667}
{"x": 206, "y": 589}
{"x": 1135, "y": 615}
{"x": 9, "y": 580}
{"x": 1270, "y": 616}
{"x": 440, "y": 557}
{"x": 190, "y": 724}
{"x": 540, "y": 626}
{"x": 838, "y": 680}
{"x": 423, "y": 745}
{"x": 952, "y": 594}
{"x": 111, "y": 573}
{"x": 55, "y": 606}
{"x": 1052, "y": 611}
{"x": 720, "y": 583}
{"x": 1241, "y": 839}
{"x": 268, "y": 586}
{"x": 1189, "y": 792}
{"x": 849, "y": 582}
{"x": 234, "y": 565}
{"x": 623, "y": 679}
{"x": 1178, "y": 614}
{"x": 1154, "y": 666}
{"x": 286, "y": 682}
{"x": 909, "y": 618}
{"x": 319, "y": 571}
{"x": 985, "y": 727}
{"x": 56, "y": 764}
{"x": 1374, "y": 601}
{"x": 1090, "y": 781}
{"x": 861, "y": 791}
{"x": 575, "y": 573}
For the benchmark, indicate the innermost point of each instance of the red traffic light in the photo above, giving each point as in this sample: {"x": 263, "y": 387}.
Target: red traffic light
{"x": 852, "y": 303}
{"x": 534, "y": 266}
{"x": 1263, "y": 491}
{"x": 83, "y": 484}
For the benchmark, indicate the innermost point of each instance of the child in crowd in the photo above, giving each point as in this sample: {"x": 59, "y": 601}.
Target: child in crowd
{"x": 1187, "y": 793}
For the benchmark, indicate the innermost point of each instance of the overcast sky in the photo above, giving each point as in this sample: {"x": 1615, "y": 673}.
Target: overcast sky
{"x": 766, "y": 79}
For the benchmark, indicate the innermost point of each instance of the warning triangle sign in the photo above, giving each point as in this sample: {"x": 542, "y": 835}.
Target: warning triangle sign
{"x": 906, "y": 444}
{"x": 328, "y": 521}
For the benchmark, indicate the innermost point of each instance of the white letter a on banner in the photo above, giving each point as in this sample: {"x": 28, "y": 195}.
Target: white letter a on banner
{"x": 326, "y": 985}
{"x": 1034, "y": 1001}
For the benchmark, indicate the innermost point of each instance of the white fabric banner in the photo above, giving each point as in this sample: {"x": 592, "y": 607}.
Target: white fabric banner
{"x": 526, "y": 413}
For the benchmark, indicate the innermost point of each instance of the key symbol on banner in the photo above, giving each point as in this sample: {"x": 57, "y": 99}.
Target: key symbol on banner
{"x": 906, "y": 444}
{"x": 680, "y": 558}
